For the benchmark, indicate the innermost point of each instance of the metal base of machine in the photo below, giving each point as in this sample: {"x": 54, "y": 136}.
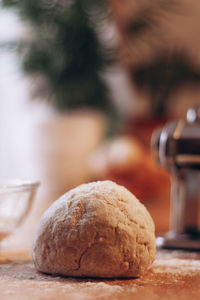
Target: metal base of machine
{"x": 178, "y": 241}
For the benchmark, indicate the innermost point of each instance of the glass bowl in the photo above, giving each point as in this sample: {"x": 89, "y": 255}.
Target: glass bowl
{"x": 16, "y": 197}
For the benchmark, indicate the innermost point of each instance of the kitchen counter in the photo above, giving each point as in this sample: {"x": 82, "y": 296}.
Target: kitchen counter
{"x": 174, "y": 275}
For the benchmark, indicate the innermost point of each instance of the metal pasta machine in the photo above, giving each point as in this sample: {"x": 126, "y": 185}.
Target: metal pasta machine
{"x": 176, "y": 148}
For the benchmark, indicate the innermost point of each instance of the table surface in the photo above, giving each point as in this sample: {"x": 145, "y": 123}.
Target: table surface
{"x": 174, "y": 275}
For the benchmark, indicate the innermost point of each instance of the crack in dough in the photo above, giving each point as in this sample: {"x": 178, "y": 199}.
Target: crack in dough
{"x": 85, "y": 251}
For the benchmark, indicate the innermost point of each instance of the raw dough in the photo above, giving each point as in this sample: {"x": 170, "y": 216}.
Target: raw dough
{"x": 98, "y": 229}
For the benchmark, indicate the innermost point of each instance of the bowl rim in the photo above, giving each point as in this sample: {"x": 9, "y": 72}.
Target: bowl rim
{"x": 10, "y": 184}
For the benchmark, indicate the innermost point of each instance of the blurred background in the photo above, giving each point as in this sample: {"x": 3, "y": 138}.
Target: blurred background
{"x": 83, "y": 84}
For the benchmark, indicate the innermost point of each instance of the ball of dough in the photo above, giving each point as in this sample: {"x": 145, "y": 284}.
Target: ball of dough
{"x": 98, "y": 229}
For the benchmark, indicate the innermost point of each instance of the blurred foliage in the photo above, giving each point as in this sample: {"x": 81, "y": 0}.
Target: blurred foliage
{"x": 64, "y": 50}
{"x": 165, "y": 72}
{"x": 147, "y": 20}
{"x": 163, "y": 77}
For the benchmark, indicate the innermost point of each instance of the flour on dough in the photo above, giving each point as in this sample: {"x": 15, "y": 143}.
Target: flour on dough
{"x": 98, "y": 229}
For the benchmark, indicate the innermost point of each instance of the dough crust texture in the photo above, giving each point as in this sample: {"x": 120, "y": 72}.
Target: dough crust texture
{"x": 97, "y": 229}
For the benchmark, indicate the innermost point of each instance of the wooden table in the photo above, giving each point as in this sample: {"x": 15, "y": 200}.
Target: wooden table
{"x": 174, "y": 275}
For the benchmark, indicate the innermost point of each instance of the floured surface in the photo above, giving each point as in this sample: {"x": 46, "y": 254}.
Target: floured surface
{"x": 174, "y": 275}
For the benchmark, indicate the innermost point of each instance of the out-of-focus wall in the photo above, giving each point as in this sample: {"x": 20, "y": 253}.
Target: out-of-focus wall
{"x": 19, "y": 118}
